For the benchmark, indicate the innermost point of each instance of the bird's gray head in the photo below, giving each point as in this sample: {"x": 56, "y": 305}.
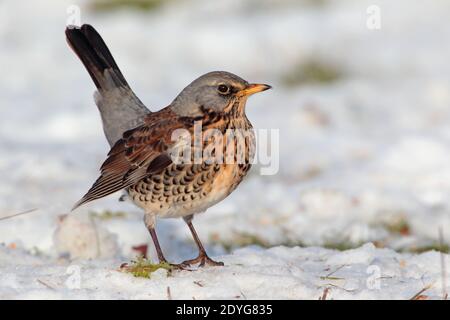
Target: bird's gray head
{"x": 217, "y": 91}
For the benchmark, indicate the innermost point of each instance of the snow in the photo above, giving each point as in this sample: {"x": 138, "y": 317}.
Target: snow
{"x": 358, "y": 156}
{"x": 250, "y": 273}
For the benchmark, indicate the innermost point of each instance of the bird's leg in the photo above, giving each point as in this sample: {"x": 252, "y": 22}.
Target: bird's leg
{"x": 159, "y": 252}
{"x": 150, "y": 224}
{"x": 202, "y": 258}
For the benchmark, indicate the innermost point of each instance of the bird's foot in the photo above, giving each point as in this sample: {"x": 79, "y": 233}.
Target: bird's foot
{"x": 175, "y": 266}
{"x": 202, "y": 260}
{"x": 180, "y": 266}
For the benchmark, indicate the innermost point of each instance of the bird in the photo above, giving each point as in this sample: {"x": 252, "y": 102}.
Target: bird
{"x": 141, "y": 160}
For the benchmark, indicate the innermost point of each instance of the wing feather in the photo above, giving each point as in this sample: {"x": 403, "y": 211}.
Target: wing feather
{"x": 140, "y": 153}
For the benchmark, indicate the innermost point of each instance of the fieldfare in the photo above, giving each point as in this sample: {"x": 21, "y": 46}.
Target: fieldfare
{"x": 163, "y": 182}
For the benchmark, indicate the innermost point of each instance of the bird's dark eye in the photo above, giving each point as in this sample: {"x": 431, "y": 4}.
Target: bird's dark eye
{"x": 223, "y": 89}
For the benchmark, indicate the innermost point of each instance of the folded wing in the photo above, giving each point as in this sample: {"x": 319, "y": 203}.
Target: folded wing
{"x": 141, "y": 152}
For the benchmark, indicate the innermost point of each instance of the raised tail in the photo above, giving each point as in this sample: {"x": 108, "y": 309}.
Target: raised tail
{"x": 120, "y": 108}
{"x": 95, "y": 55}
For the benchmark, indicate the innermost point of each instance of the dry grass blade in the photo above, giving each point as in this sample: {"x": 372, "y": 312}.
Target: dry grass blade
{"x": 18, "y": 214}
{"x": 329, "y": 276}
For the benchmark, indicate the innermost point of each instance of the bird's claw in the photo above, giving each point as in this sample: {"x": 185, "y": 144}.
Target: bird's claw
{"x": 202, "y": 261}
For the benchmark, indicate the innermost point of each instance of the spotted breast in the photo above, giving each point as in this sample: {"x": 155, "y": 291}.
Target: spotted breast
{"x": 185, "y": 189}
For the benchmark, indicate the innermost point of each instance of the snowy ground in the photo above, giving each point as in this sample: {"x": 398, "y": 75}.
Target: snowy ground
{"x": 250, "y": 273}
{"x": 364, "y": 156}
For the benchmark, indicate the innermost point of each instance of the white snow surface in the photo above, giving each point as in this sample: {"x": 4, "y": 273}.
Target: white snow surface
{"x": 356, "y": 154}
{"x": 250, "y": 273}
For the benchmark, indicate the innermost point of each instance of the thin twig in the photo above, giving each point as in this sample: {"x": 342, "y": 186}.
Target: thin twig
{"x": 418, "y": 295}
{"x": 329, "y": 275}
{"x": 443, "y": 266}
{"x": 45, "y": 284}
{"x": 338, "y": 287}
{"x": 324, "y": 294}
{"x": 199, "y": 283}
{"x": 169, "y": 295}
{"x": 18, "y": 214}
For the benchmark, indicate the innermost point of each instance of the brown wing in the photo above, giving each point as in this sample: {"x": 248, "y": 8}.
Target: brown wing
{"x": 140, "y": 152}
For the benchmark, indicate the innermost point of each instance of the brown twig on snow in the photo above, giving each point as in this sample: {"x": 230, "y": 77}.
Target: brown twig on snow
{"x": 45, "y": 284}
{"x": 419, "y": 295}
{"x": 443, "y": 266}
{"x": 324, "y": 294}
{"x": 199, "y": 283}
{"x": 169, "y": 295}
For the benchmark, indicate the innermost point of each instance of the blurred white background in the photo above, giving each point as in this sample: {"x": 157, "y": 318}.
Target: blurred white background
{"x": 363, "y": 115}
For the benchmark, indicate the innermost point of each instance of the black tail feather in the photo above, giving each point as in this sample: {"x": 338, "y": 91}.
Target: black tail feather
{"x": 93, "y": 52}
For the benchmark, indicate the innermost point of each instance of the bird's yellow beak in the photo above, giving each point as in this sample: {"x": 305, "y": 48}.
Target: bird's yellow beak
{"x": 254, "y": 88}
